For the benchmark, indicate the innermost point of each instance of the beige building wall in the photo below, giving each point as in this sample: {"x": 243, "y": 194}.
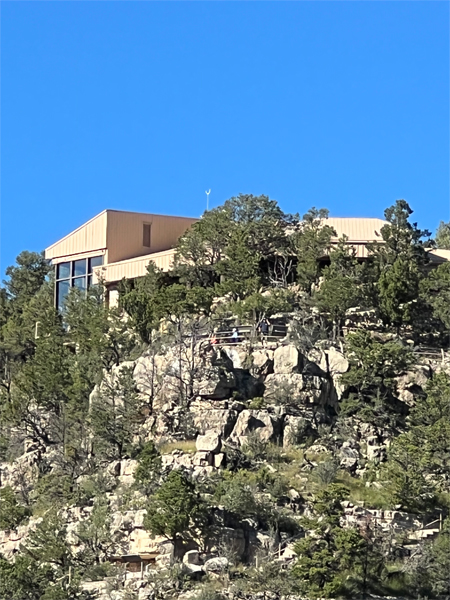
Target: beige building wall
{"x": 125, "y": 237}
{"x": 86, "y": 240}
{"x": 134, "y": 267}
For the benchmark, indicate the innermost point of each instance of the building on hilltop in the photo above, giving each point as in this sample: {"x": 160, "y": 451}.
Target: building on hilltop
{"x": 113, "y": 245}
{"x": 117, "y": 244}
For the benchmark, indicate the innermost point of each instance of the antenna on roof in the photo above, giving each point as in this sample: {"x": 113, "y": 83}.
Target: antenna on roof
{"x": 207, "y": 199}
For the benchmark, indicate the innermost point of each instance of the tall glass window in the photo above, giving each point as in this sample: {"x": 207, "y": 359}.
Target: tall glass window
{"x": 62, "y": 289}
{"x": 76, "y": 273}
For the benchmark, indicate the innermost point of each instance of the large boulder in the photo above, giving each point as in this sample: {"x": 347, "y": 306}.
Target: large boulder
{"x": 127, "y": 469}
{"x": 216, "y": 565}
{"x": 209, "y": 418}
{"x": 230, "y": 541}
{"x": 333, "y": 362}
{"x": 412, "y": 383}
{"x": 283, "y": 388}
{"x": 267, "y": 426}
{"x": 210, "y": 442}
{"x": 348, "y": 458}
{"x": 262, "y": 363}
{"x": 286, "y": 359}
{"x": 215, "y": 383}
{"x": 142, "y": 542}
{"x": 295, "y": 430}
{"x": 237, "y": 355}
{"x": 296, "y": 389}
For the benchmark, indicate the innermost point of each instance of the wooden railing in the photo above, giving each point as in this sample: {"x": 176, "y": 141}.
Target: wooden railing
{"x": 245, "y": 333}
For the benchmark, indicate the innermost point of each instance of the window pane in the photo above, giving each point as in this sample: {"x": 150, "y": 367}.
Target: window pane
{"x": 79, "y": 267}
{"x": 63, "y": 270}
{"x": 62, "y": 289}
{"x": 95, "y": 261}
{"x": 90, "y": 281}
{"x": 80, "y": 283}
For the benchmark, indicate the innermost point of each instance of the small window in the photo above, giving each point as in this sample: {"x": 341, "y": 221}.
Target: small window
{"x": 147, "y": 235}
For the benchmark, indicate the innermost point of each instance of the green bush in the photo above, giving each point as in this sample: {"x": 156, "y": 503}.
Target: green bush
{"x": 12, "y": 513}
{"x": 149, "y": 464}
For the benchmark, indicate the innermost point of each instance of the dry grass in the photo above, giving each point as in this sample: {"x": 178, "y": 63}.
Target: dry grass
{"x": 371, "y": 496}
{"x": 187, "y": 446}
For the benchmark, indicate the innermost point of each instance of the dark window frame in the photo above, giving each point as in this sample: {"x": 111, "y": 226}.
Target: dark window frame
{"x": 72, "y": 278}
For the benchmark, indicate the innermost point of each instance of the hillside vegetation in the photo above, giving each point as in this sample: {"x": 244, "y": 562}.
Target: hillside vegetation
{"x": 305, "y": 457}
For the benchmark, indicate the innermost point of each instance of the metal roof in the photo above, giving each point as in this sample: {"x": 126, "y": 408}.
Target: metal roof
{"x": 357, "y": 229}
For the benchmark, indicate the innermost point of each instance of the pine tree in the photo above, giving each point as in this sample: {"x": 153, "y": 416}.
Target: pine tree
{"x": 115, "y": 415}
{"x": 341, "y": 286}
{"x": 397, "y": 266}
{"x": 176, "y": 511}
{"x": 443, "y": 235}
{"x": 335, "y": 561}
{"x": 312, "y": 243}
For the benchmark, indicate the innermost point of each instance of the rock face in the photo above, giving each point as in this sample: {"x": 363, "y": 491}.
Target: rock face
{"x": 265, "y": 425}
{"x": 297, "y": 389}
{"x": 296, "y": 429}
{"x": 209, "y": 417}
{"x": 412, "y": 383}
{"x": 216, "y": 565}
{"x": 262, "y": 363}
{"x": 210, "y": 442}
{"x": 349, "y": 458}
{"x": 286, "y": 359}
{"x": 333, "y": 362}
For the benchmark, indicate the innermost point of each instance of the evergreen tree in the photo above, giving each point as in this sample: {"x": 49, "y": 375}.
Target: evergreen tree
{"x": 149, "y": 465}
{"x": 138, "y": 300}
{"x": 25, "y": 279}
{"x": 311, "y": 243}
{"x": 12, "y": 513}
{"x": 435, "y": 290}
{"x": 47, "y": 544}
{"x": 240, "y": 269}
{"x": 332, "y": 560}
{"x": 419, "y": 459}
{"x": 115, "y": 415}
{"x": 257, "y": 306}
{"x": 371, "y": 378}
{"x": 341, "y": 287}
{"x": 95, "y": 535}
{"x": 203, "y": 246}
{"x": 438, "y": 563}
{"x": 246, "y": 230}
{"x": 176, "y": 510}
{"x": 443, "y": 235}
{"x": 397, "y": 265}
{"x": 405, "y": 474}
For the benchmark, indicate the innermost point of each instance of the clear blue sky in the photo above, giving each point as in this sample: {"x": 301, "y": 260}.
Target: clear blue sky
{"x": 145, "y": 105}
